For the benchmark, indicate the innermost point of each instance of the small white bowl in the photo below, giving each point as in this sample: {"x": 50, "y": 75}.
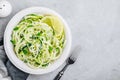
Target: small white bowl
{"x": 9, "y": 47}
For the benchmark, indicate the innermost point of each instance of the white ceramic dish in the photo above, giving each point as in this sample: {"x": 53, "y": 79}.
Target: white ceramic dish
{"x": 9, "y": 47}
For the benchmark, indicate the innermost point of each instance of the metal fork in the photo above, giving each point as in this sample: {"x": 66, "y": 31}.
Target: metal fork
{"x": 70, "y": 61}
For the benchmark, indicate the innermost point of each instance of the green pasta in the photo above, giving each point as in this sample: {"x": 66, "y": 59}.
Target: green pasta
{"x": 38, "y": 40}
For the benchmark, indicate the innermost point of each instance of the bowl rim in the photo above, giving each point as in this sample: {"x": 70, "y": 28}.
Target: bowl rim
{"x": 11, "y": 54}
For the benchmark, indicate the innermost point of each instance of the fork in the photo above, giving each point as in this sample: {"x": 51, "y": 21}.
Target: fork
{"x": 70, "y": 61}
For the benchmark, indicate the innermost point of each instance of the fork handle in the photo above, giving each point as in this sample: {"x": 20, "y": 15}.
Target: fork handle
{"x": 59, "y": 75}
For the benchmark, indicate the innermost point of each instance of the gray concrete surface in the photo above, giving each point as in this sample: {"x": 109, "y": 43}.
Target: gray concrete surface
{"x": 95, "y": 25}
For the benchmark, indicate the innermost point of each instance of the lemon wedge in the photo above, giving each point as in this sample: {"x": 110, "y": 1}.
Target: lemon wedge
{"x": 55, "y": 23}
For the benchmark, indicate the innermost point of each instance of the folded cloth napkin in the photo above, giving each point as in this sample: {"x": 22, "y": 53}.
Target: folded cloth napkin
{"x": 15, "y": 73}
{"x": 7, "y": 70}
{"x": 3, "y": 69}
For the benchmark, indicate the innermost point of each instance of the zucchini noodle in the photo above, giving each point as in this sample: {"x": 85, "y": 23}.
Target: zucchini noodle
{"x": 37, "y": 43}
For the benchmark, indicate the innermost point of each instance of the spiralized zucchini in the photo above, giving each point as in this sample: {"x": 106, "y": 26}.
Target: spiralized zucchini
{"x": 37, "y": 40}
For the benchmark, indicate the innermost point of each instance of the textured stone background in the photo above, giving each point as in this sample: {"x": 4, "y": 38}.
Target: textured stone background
{"x": 95, "y": 25}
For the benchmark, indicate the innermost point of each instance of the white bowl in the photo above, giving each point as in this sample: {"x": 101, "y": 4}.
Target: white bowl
{"x": 9, "y": 47}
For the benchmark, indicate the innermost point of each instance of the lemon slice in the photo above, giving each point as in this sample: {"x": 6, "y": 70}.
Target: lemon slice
{"x": 55, "y": 23}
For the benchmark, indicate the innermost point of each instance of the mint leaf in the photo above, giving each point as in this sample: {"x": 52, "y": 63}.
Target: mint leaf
{"x": 16, "y": 28}
{"x": 25, "y": 51}
{"x": 50, "y": 49}
{"x": 12, "y": 41}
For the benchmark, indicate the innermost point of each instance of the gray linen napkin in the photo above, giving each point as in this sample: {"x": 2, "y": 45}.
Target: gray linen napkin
{"x": 8, "y": 69}
{"x": 15, "y": 73}
{"x": 3, "y": 69}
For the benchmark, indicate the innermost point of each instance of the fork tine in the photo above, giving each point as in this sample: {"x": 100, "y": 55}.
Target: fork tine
{"x": 75, "y": 53}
